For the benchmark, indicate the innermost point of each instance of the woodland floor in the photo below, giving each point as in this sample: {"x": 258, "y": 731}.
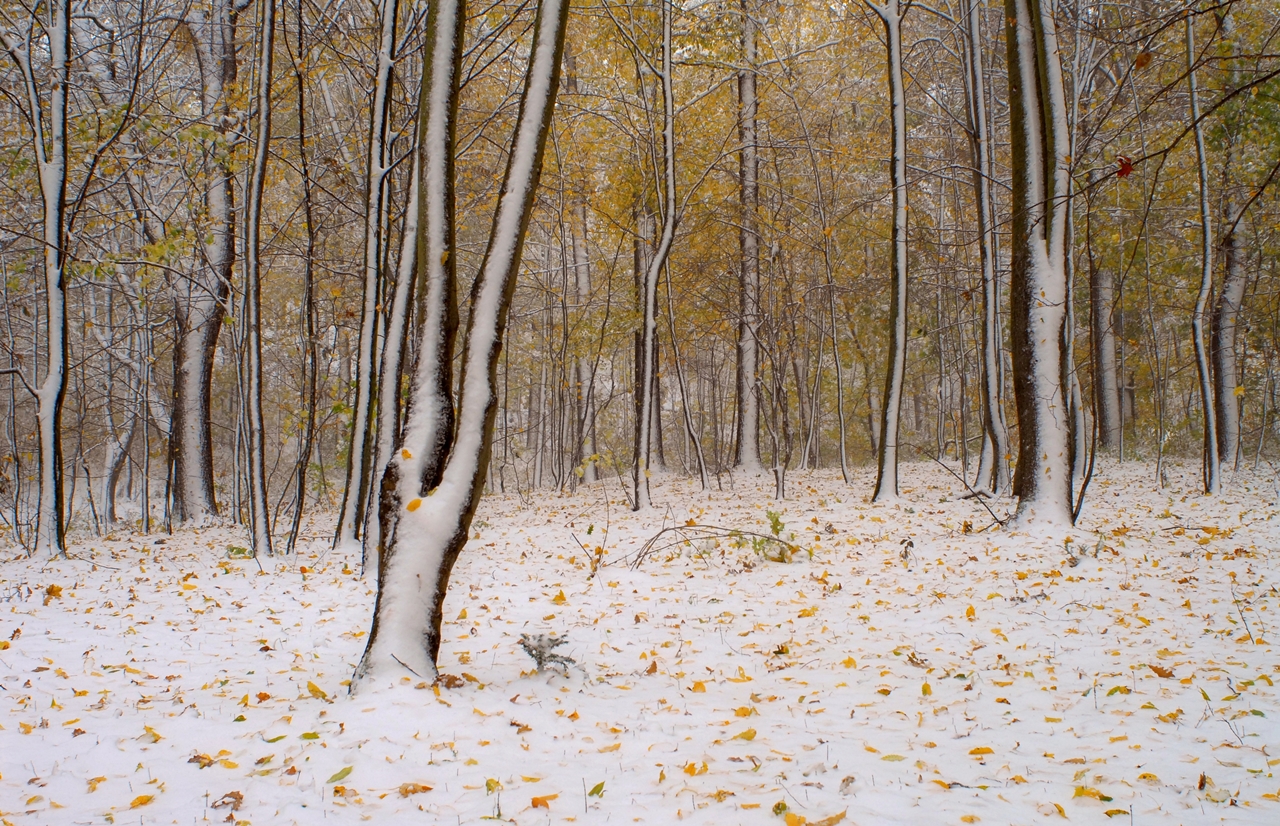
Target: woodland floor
{"x": 906, "y": 672}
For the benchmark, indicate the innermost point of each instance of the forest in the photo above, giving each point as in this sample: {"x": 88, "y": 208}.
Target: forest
{"x": 687, "y": 290}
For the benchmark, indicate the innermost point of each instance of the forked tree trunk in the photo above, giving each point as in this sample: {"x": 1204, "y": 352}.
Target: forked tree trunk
{"x": 377, "y": 166}
{"x": 1040, "y": 147}
{"x": 993, "y": 464}
{"x": 647, "y": 401}
{"x": 432, "y": 523}
{"x": 259, "y": 507}
{"x": 1211, "y": 468}
{"x": 891, "y": 15}
{"x": 747, "y": 438}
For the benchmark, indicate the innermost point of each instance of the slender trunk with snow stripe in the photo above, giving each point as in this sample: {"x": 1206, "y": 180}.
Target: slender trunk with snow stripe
{"x": 1038, "y": 284}
{"x": 645, "y": 406}
{"x": 586, "y": 436}
{"x": 993, "y": 464}
{"x": 748, "y": 368}
{"x": 432, "y": 528}
{"x": 259, "y": 507}
{"x": 1212, "y": 469}
{"x": 51, "y": 161}
{"x": 356, "y": 489}
{"x": 887, "y": 455}
{"x": 387, "y": 432}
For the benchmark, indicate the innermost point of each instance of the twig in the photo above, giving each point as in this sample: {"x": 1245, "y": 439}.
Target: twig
{"x": 973, "y": 493}
{"x": 701, "y": 532}
{"x": 1240, "y": 613}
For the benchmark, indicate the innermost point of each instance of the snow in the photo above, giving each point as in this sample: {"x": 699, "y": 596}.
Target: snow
{"x": 783, "y": 680}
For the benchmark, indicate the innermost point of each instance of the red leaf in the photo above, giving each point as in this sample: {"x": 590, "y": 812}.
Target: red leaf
{"x": 1126, "y": 166}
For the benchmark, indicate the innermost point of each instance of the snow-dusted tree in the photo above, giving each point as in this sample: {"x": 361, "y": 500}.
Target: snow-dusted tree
{"x": 1211, "y": 466}
{"x": 891, "y": 13}
{"x": 201, "y": 300}
{"x": 1038, "y": 279}
{"x": 428, "y": 519}
{"x": 259, "y": 507}
{"x": 748, "y": 366}
{"x": 993, "y": 462}
{"x": 46, "y": 113}
{"x": 646, "y": 360}
{"x": 377, "y": 167}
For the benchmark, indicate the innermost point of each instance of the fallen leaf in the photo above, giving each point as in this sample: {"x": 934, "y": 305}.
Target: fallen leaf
{"x": 597, "y": 790}
{"x": 316, "y": 691}
{"x": 340, "y": 774}
{"x": 141, "y": 800}
{"x": 544, "y": 802}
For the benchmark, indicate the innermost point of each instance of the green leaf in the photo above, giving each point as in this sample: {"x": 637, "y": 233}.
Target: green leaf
{"x": 310, "y": 735}
{"x": 276, "y": 739}
{"x": 597, "y": 790}
{"x": 340, "y": 774}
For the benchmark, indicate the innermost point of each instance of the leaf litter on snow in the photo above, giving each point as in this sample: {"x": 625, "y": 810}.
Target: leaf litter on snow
{"x": 905, "y": 656}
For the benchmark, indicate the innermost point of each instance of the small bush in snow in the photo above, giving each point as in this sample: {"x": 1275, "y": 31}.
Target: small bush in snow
{"x": 541, "y": 648}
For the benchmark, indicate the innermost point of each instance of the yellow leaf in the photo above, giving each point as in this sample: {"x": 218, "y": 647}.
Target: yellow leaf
{"x": 94, "y": 782}
{"x": 316, "y": 691}
{"x": 407, "y": 789}
{"x": 152, "y": 733}
{"x": 1085, "y": 791}
{"x": 1239, "y": 390}
{"x": 742, "y": 711}
{"x": 741, "y": 678}
{"x": 698, "y": 687}
{"x": 404, "y": 454}
{"x": 893, "y": 758}
{"x": 1019, "y": 779}
{"x": 462, "y": 614}
{"x": 969, "y": 613}
{"x": 1061, "y": 811}
{"x": 227, "y": 764}
{"x": 748, "y": 735}
{"x": 926, "y": 690}
{"x": 613, "y": 747}
{"x": 526, "y": 778}
{"x": 1116, "y": 812}
{"x": 492, "y": 785}
{"x": 544, "y": 802}
{"x": 969, "y": 819}
{"x": 849, "y": 662}
{"x": 982, "y": 750}
{"x": 25, "y": 728}
{"x": 812, "y": 611}
{"x": 141, "y": 800}
{"x": 559, "y": 598}
{"x": 793, "y": 819}
{"x": 944, "y": 784}
{"x": 413, "y": 505}
{"x": 1148, "y": 777}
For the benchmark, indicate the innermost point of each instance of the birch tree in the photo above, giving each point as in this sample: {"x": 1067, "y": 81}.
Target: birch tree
{"x": 47, "y": 118}
{"x": 1038, "y": 278}
{"x": 432, "y": 526}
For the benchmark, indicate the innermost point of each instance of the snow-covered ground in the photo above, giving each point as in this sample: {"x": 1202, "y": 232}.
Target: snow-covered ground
{"x": 917, "y": 668}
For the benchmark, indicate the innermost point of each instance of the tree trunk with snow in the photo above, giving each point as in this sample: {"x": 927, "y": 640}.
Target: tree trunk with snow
{"x": 432, "y": 522}
{"x": 747, "y": 438}
{"x": 1212, "y": 468}
{"x": 1223, "y": 346}
{"x": 891, "y": 15}
{"x": 201, "y": 305}
{"x": 993, "y": 463}
{"x": 48, "y": 120}
{"x": 1038, "y": 286}
{"x": 377, "y": 165}
{"x": 259, "y": 507}
{"x": 646, "y": 357}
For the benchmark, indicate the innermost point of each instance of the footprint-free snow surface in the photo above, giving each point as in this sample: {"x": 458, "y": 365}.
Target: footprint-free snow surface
{"x": 909, "y": 663}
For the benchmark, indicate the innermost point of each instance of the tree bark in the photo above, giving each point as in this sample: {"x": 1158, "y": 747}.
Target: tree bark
{"x": 887, "y": 456}
{"x": 747, "y": 438}
{"x": 413, "y": 576}
{"x": 1038, "y": 286}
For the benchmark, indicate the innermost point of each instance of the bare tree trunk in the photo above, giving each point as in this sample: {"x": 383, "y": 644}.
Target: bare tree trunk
{"x": 747, "y": 439}
{"x": 887, "y": 459}
{"x": 993, "y": 462}
{"x": 201, "y": 308}
{"x": 647, "y": 402}
{"x": 1041, "y": 145}
{"x": 49, "y": 140}
{"x": 377, "y": 165}
{"x": 311, "y": 362}
{"x": 1212, "y": 467}
{"x": 413, "y": 576}
{"x": 259, "y": 507}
